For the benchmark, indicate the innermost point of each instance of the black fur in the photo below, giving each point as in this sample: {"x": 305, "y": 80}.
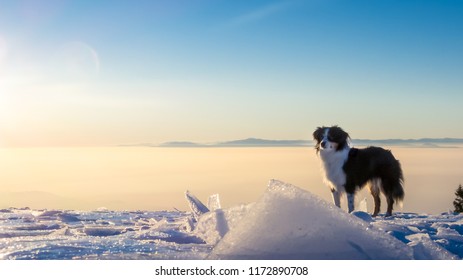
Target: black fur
{"x": 366, "y": 164}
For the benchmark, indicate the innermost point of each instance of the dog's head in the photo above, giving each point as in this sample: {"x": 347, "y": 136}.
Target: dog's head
{"x": 330, "y": 139}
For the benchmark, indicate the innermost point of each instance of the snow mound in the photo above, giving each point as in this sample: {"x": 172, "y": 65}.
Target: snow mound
{"x": 290, "y": 223}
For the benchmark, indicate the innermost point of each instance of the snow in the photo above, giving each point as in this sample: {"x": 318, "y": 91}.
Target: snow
{"x": 303, "y": 226}
{"x": 32, "y": 234}
{"x": 285, "y": 223}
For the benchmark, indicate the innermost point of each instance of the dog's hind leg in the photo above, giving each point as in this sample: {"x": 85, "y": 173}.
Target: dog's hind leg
{"x": 393, "y": 192}
{"x": 390, "y": 203}
{"x": 350, "y": 201}
{"x": 375, "y": 191}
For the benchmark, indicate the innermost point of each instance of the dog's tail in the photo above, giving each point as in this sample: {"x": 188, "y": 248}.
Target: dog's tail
{"x": 398, "y": 192}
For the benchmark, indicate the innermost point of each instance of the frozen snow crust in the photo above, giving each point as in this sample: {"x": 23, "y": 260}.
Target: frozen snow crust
{"x": 285, "y": 223}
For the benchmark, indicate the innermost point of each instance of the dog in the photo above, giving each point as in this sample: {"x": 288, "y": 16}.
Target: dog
{"x": 347, "y": 169}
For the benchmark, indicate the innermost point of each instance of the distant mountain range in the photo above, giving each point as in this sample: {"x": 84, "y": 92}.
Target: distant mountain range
{"x": 426, "y": 142}
{"x": 249, "y": 142}
{"x": 256, "y": 142}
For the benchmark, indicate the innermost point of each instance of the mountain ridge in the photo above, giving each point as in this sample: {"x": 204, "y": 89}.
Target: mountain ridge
{"x": 259, "y": 142}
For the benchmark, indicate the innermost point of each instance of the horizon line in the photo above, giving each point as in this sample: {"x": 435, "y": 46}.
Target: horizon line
{"x": 444, "y": 142}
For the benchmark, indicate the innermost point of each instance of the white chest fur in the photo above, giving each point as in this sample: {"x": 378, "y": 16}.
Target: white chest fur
{"x": 332, "y": 163}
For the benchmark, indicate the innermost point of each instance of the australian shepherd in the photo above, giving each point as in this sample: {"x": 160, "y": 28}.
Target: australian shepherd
{"x": 346, "y": 169}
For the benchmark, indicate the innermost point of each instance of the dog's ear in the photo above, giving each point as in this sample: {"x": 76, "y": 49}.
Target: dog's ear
{"x": 340, "y": 136}
{"x": 318, "y": 133}
{"x": 317, "y": 136}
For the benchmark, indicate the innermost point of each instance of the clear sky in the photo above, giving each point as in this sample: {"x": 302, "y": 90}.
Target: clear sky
{"x": 94, "y": 73}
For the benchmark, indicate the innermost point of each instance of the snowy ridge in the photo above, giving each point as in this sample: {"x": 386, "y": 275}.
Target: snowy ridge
{"x": 285, "y": 223}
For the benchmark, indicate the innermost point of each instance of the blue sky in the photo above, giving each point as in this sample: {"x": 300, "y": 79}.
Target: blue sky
{"x": 116, "y": 72}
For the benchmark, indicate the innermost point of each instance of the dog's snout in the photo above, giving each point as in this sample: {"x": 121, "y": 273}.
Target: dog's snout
{"x": 323, "y": 144}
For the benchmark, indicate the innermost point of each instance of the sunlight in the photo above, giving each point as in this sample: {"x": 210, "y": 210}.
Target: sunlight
{"x": 77, "y": 60}
{"x": 3, "y": 49}
{"x": 6, "y": 108}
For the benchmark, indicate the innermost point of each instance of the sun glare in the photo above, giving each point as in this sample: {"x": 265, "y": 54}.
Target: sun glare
{"x": 79, "y": 60}
{"x": 3, "y": 49}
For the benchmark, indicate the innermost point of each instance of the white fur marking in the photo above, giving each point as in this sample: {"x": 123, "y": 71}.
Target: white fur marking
{"x": 325, "y": 135}
{"x": 332, "y": 163}
{"x": 375, "y": 186}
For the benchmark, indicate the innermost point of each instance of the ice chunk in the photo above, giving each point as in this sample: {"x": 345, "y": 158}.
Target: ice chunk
{"x": 212, "y": 226}
{"x": 426, "y": 249}
{"x": 290, "y": 223}
{"x": 169, "y": 236}
{"x": 68, "y": 218}
{"x": 39, "y": 226}
{"x": 102, "y": 210}
{"x": 196, "y": 206}
{"x": 213, "y": 203}
{"x": 103, "y": 231}
{"x": 63, "y": 231}
{"x": 46, "y": 213}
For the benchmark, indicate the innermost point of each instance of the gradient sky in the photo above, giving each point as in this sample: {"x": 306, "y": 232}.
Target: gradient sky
{"x": 91, "y": 73}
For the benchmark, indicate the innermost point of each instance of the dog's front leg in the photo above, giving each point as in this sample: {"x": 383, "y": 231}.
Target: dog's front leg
{"x": 350, "y": 201}
{"x": 336, "y": 197}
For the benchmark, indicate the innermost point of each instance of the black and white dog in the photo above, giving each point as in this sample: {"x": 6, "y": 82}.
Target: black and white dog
{"x": 347, "y": 169}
